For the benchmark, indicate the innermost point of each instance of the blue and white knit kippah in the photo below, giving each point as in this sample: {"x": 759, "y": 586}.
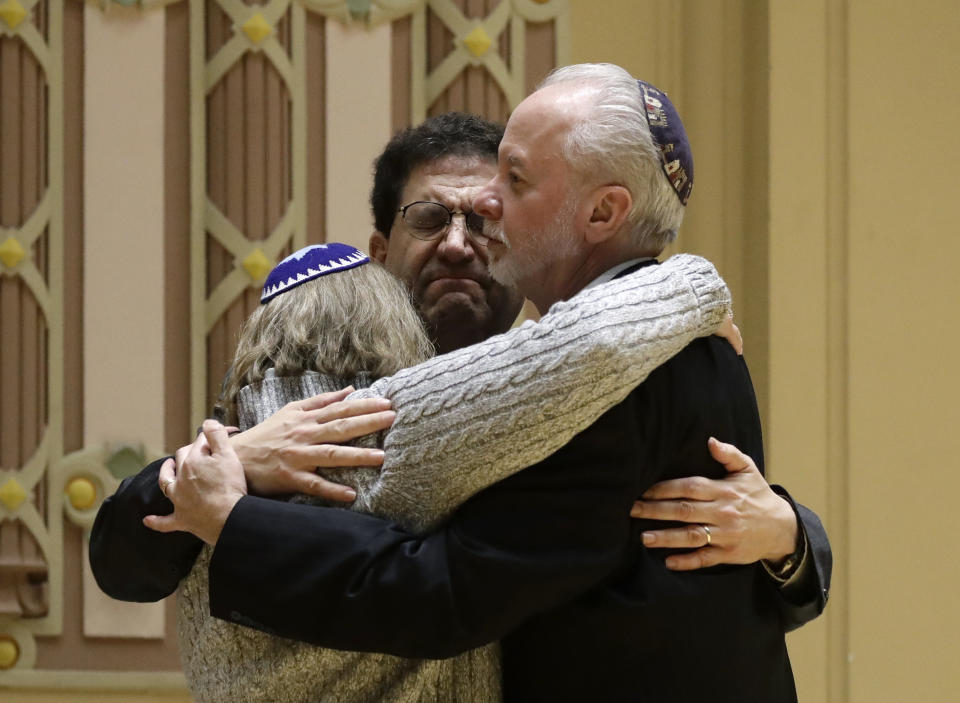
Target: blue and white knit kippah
{"x": 309, "y": 263}
{"x": 671, "y": 139}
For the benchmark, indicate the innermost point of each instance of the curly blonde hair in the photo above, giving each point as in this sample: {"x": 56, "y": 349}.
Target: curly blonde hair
{"x": 359, "y": 319}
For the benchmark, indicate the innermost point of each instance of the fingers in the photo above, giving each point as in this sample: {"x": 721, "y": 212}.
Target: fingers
{"x": 334, "y": 455}
{"x": 731, "y": 333}
{"x": 689, "y": 537}
{"x": 324, "y": 399}
{"x": 700, "y": 559}
{"x": 161, "y": 523}
{"x": 351, "y": 427}
{"x": 217, "y": 437}
{"x": 167, "y": 478}
{"x": 199, "y": 448}
{"x": 181, "y": 454}
{"x": 318, "y": 486}
{"x": 706, "y": 552}
{"x": 675, "y": 510}
{"x": 167, "y": 471}
{"x": 732, "y": 458}
{"x": 350, "y": 408}
{"x": 692, "y": 488}
{"x": 738, "y": 345}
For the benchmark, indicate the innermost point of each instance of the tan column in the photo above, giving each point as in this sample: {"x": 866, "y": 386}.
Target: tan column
{"x": 802, "y": 240}
{"x": 904, "y": 383}
{"x": 123, "y": 258}
{"x": 358, "y": 125}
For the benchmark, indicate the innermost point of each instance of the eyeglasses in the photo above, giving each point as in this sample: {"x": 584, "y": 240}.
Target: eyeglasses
{"x": 428, "y": 221}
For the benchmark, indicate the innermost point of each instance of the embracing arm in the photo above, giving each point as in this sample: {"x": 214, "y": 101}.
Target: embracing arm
{"x": 129, "y": 561}
{"x": 346, "y": 580}
{"x": 749, "y": 520}
{"x": 132, "y": 562}
{"x": 477, "y": 415}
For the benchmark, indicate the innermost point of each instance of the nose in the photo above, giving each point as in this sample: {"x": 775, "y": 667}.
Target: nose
{"x": 487, "y": 203}
{"x": 456, "y": 246}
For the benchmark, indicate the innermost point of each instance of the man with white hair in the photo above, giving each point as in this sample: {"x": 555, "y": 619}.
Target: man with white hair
{"x": 594, "y": 171}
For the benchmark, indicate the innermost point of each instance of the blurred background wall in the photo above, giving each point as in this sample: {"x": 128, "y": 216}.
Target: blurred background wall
{"x": 156, "y": 159}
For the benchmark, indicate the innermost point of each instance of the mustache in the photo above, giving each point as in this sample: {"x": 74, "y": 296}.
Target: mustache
{"x": 493, "y": 230}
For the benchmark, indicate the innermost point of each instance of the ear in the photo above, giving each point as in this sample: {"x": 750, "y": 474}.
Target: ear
{"x": 378, "y": 247}
{"x": 611, "y": 206}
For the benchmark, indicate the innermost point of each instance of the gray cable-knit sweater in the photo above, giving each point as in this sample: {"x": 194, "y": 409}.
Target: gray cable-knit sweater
{"x": 465, "y": 420}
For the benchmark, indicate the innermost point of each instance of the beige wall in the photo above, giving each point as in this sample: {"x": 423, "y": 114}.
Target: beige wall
{"x": 856, "y": 276}
{"x": 904, "y": 150}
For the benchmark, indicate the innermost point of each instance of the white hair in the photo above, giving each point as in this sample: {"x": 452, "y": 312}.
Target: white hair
{"x": 611, "y": 143}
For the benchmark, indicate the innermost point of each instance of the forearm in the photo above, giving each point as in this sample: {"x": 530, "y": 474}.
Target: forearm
{"x": 350, "y": 581}
{"x": 468, "y": 419}
{"x": 129, "y": 561}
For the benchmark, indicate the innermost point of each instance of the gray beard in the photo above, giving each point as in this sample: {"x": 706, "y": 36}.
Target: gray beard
{"x": 546, "y": 247}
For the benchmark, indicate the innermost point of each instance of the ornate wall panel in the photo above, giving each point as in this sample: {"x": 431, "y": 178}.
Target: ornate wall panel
{"x": 249, "y": 167}
{"x": 31, "y": 327}
{"x": 45, "y": 475}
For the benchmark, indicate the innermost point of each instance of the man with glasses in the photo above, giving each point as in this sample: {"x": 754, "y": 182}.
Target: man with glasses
{"x": 425, "y": 231}
{"x": 426, "y": 234}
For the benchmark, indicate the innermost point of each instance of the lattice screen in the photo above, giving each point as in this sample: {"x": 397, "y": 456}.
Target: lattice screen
{"x": 31, "y": 325}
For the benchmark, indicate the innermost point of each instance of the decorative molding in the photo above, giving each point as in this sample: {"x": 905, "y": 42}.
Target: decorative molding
{"x": 369, "y": 13}
{"x": 108, "y": 6}
{"x": 76, "y": 485}
{"x": 33, "y": 497}
{"x": 254, "y": 30}
{"x": 474, "y": 39}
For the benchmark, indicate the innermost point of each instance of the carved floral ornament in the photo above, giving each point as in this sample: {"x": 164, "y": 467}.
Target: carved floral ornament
{"x": 367, "y": 12}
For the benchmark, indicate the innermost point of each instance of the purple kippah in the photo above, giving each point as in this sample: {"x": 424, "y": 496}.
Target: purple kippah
{"x": 671, "y": 138}
{"x": 309, "y": 263}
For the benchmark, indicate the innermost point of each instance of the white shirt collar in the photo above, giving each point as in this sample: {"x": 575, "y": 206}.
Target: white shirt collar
{"x": 610, "y": 274}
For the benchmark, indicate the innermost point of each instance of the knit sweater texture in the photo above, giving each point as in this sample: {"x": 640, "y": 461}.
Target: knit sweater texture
{"x": 465, "y": 420}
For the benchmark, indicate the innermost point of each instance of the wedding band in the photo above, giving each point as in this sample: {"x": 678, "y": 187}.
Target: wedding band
{"x": 164, "y": 485}
{"x": 707, "y": 530}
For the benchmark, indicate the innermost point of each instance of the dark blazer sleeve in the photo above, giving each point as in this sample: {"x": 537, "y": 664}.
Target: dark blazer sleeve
{"x": 129, "y": 561}
{"x": 350, "y": 581}
{"x": 801, "y": 602}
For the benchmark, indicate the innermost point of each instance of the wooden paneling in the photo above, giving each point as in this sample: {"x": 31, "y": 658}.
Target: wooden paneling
{"x": 248, "y": 172}
{"x": 23, "y": 327}
{"x": 474, "y": 90}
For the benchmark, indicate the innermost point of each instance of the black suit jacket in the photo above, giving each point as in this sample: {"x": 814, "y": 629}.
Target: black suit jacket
{"x": 548, "y": 560}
